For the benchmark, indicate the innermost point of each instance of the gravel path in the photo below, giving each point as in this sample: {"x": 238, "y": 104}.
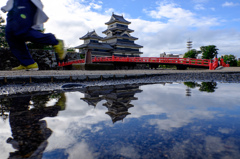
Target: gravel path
{"x": 112, "y": 72}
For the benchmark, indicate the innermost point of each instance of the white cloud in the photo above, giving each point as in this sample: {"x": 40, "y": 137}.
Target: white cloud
{"x": 96, "y": 6}
{"x": 168, "y": 32}
{"x": 181, "y": 17}
{"x": 71, "y": 20}
{"x": 5, "y": 133}
{"x": 230, "y": 4}
{"x": 80, "y": 150}
{"x": 199, "y": 7}
{"x": 182, "y": 24}
{"x": 68, "y": 127}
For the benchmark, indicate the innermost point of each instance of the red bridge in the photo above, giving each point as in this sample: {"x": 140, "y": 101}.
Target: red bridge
{"x": 154, "y": 62}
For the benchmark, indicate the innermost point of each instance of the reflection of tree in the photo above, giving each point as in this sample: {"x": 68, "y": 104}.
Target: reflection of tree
{"x": 29, "y": 132}
{"x": 41, "y": 101}
{"x": 118, "y": 99}
{"x": 191, "y": 84}
{"x": 38, "y": 101}
{"x": 61, "y": 101}
{"x": 203, "y": 87}
{"x": 208, "y": 86}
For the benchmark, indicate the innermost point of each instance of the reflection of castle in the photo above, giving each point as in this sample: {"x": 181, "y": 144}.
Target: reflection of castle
{"x": 118, "y": 99}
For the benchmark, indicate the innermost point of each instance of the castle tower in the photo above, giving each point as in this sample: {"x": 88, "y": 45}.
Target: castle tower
{"x": 91, "y": 41}
{"x": 118, "y": 41}
{"x": 118, "y": 36}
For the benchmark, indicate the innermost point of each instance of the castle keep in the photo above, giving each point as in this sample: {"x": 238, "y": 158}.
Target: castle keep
{"x": 118, "y": 41}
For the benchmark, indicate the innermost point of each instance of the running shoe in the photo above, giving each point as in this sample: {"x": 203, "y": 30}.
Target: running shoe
{"x": 33, "y": 67}
{"x": 59, "y": 49}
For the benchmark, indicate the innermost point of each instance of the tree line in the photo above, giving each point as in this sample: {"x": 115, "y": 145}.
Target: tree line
{"x": 209, "y": 52}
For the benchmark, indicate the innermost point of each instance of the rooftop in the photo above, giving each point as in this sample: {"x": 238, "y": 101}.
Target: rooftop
{"x": 118, "y": 28}
{"x": 95, "y": 46}
{"x": 91, "y": 35}
{"x": 117, "y": 18}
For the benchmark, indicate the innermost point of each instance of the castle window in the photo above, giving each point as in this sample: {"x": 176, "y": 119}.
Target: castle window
{"x": 94, "y": 41}
{"x": 125, "y": 40}
{"x": 123, "y": 26}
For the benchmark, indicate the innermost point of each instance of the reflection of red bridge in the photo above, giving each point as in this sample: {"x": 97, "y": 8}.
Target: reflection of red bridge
{"x": 154, "y": 62}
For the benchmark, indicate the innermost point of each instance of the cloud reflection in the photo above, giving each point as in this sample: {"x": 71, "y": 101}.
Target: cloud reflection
{"x": 162, "y": 123}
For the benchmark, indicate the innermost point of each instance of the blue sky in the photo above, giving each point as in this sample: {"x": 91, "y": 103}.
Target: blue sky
{"x": 160, "y": 25}
{"x": 226, "y": 12}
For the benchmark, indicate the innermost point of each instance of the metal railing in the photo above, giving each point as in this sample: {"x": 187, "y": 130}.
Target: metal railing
{"x": 155, "y": 60}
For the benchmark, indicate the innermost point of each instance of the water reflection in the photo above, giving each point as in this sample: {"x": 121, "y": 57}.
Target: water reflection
{"x": 159, "y": 121}
{"x": 29, "y": 132}
{"x": 209, "y": 87}
{"x": 118, "y": 99}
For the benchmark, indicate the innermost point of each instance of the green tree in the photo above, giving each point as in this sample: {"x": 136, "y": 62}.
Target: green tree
{"x": 3, "y": 42}
{"x": 238, "y": 64}
{"x": 230, "y": 59}
{"x": 208, "y": 87}
{"x": 191, "y": 54}
{"x": 209, "y": 52}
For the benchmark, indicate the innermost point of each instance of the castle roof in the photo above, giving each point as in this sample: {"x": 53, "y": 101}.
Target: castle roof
{"x": 122, "y": 44}
{"x": 92, "y": 101}
{"x": 117, "y": 18}
{"x": 118, "y": 28}
{"x": 127, "y": 52}
{"x": 117, "y": 117}
{"x": 119, "y": 37}
{"x": 91, "y": 35}
{"x": 95, "y": 46}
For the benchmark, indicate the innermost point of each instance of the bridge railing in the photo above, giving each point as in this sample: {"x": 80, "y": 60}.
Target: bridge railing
{"x": 222, "y": 63}
{"x": 184, "y": 61}
{"x": 71, "y": 62}
{"x": 158, "y": 60}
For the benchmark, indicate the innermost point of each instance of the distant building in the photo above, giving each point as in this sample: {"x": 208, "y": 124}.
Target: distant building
{"x": 118, "y": 41}
{"x": 171, "y": 55}
{"x": 189, "y": 45}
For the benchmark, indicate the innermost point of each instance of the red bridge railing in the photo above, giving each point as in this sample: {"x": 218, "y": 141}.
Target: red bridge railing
{"x": 156, "y": 60}
{"x": 162, "y": 60}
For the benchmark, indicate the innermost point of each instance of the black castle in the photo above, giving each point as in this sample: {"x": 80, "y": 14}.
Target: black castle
{"x": 118, "y": 41}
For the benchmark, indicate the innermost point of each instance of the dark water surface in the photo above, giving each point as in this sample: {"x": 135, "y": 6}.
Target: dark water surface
{"x": 168, "y": 120}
